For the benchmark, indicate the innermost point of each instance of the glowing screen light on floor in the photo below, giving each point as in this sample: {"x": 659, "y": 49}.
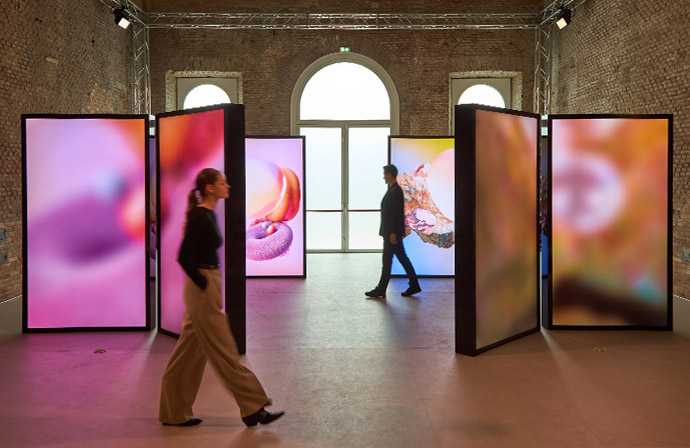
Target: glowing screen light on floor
{"x": 187, "y": 143}
{"x": 86, "y": 221}
{"x": 609, "y": 221}
{"x": 426, "y": 175}
{"x": 275, "y": 206}
{"x": 497, "y": 273}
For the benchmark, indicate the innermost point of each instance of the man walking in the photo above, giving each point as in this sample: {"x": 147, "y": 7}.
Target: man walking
{"x": 393, "y": 230}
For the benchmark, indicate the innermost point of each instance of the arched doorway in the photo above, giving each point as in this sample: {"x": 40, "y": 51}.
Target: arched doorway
{"x": 346, "y": 106}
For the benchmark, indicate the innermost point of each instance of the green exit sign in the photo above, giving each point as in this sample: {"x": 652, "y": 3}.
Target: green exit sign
{"x": 344, "y": 49}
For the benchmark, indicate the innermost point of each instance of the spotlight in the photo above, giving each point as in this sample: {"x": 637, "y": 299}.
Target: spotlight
{"x": 121, "y": 17}
{"x": 563, "y": 18}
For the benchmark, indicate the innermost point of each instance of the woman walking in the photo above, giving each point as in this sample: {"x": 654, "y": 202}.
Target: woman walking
{"x": 205, "y": 331}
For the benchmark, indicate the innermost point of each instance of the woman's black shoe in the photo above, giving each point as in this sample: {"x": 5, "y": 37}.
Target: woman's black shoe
{"x": 263, "y": 416}
{"x": 190, "y": 422}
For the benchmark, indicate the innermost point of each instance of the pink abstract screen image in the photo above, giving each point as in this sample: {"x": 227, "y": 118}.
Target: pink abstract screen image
{"x": 609, "y": 212}
{"x": 506, "y": 226}
{"x": 86, "y": 222}
{"x": 426, "y": 174}
{"x": 186, "y": 144}
{"x": 275, "y": 212}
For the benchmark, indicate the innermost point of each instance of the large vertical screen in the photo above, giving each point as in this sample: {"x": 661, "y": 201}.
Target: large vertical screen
{"x": 506, "y": 226}
{"x": 275, "y": 206}
{"x": 426, "y": 174}
{"x": 86, "y": 222}
{"x": 609, "y": 221}
{"x": 187, "y": 143}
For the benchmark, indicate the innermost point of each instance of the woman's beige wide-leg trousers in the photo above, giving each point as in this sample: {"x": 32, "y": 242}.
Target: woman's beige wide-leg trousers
{"x": 206, "y": 335}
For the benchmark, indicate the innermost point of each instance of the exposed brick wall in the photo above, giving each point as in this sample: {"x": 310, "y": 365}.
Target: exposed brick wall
{"x": 623, "y": 56}
{"x": 57, "y": 56}
{"x": 419, "y": 62}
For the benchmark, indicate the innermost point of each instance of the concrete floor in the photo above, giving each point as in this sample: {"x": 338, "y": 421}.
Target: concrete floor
{"x": 352, "y": 372}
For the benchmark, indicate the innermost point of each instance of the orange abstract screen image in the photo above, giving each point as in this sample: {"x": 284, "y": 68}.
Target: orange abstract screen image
{"x": 506, "y": 226}
{"x": 609, "y": 208}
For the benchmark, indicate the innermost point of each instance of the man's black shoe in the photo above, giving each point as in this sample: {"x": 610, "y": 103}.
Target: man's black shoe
{"x": 263, "y": 416}
{"x": 411, "y": 290}
{"x": 375, "y": 294}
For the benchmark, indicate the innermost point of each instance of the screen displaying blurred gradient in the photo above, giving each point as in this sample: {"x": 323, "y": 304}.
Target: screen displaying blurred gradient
{"x": 506, "y": 226}
{"x": 186, "y": 145}
{"x": 86, "y": 222}
{"x": 275, "y": 216}
{"x": 426, "y": 174}
{"x": 609, "y": 203}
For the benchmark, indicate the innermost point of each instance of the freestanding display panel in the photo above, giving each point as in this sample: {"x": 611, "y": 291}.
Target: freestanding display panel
{"x": 275, "y": 224}
{"x": 426, "y": 174}
{"x": 187, "y": 142}
{"x": 496, "y": 192}
{"x": 609, "y": 250}
{"x": 85, "y": 210}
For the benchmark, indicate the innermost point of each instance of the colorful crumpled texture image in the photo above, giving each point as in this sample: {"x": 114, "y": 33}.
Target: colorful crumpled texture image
{"x": 422, "y": 215}
{"x": 426, "y": 174}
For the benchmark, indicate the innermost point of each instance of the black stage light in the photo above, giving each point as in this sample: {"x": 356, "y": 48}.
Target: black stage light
{"x": 122, "y": 17}
{"x": 563, "y": 18}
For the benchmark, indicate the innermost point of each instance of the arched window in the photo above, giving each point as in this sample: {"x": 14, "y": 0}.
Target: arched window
{"x": 489, "y": 88}
{"x": 340, "y": 90}
{"x": 346, "y": 105}
{"x": 482, "y": 94}
{"x": 205, "y": 95}
{"x": 186, "y": 89}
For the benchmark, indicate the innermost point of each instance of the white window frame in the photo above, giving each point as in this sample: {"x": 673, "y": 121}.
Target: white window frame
{"x": 296, "y": 123}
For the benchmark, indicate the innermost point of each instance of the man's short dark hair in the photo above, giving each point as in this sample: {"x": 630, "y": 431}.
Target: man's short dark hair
{"x": 392, "y": 169}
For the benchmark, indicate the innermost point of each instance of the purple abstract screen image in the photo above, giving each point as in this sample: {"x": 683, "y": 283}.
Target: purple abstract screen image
{"x": 86, "y": 208}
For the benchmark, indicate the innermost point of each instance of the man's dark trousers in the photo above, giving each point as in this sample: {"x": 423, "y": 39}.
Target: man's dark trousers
{"x": 389, "y": 250}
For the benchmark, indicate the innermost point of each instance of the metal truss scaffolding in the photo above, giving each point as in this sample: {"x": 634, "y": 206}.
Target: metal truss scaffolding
{"x": 542, "y": 54}
{"x": 142, "y": 22}
{"x": 141, "y": 75}
{"x": 342, "y": 21}
{"x": 141, "y": 78}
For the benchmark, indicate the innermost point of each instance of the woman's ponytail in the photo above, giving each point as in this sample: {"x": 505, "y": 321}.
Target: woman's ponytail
{"x": 207, "y": 176}
{"x": 192, "y": 201}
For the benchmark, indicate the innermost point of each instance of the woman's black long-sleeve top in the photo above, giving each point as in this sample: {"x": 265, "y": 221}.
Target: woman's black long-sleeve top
{"x": 201, "y": 241}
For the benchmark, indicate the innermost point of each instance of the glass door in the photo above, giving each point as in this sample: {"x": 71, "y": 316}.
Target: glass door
{"x": 344, "y": 184}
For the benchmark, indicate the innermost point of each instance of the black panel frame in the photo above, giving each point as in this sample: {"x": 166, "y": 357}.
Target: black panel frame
{"x": 235, "y": 246}
{"x": 25, "y": 278}
{"x": 465, "y": 225}
{"x": 548, "y": 304}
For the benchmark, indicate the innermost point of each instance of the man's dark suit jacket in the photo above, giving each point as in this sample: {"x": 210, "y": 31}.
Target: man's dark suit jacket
{"x": 393, "y": 213}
